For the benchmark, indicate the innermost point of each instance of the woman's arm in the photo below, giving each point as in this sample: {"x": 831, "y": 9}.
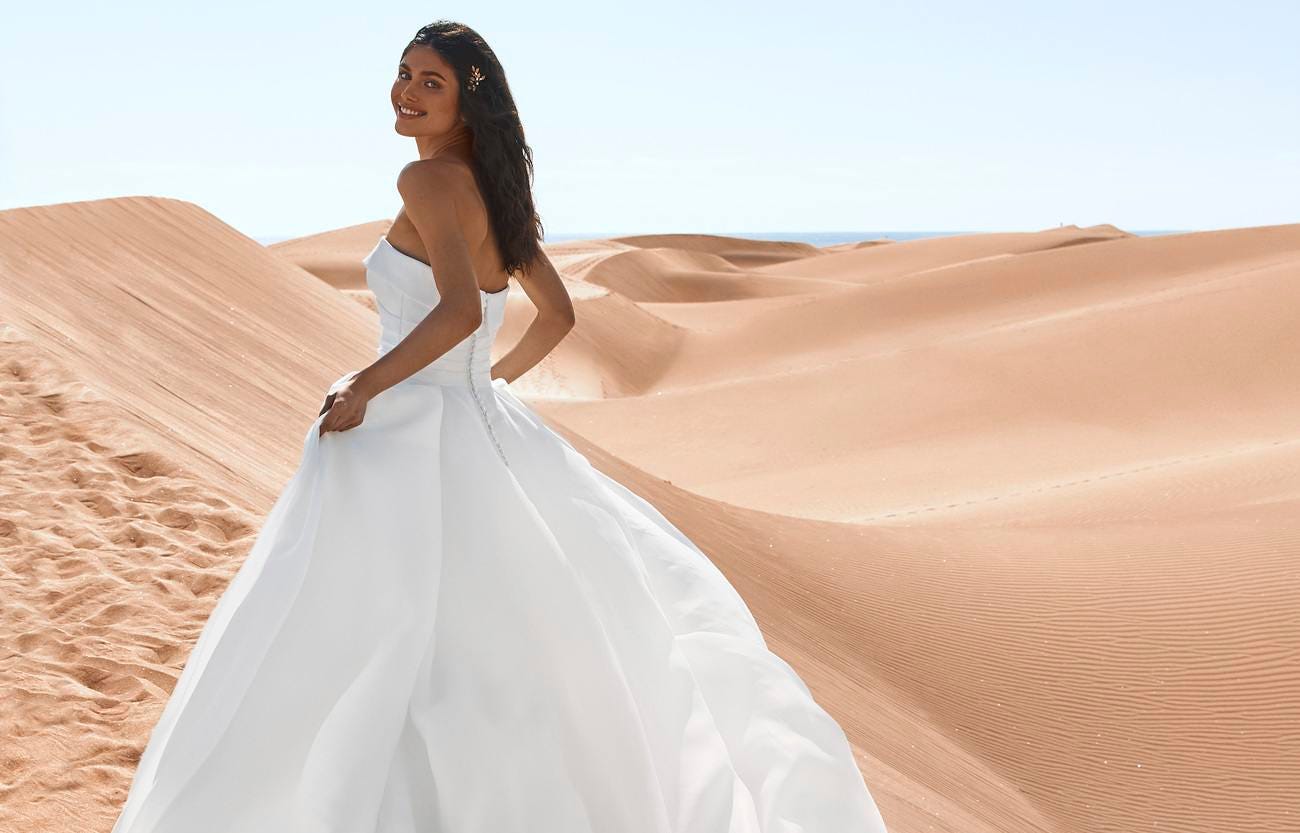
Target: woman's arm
{"x": 554, "y": 319}
{"x": 438, "y": 202}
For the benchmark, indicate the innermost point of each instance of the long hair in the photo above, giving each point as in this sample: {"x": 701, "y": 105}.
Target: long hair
{"x": 503, "y": 161}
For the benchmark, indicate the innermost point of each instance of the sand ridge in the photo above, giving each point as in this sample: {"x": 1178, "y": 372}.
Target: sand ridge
{"x": 1017, "y": 507}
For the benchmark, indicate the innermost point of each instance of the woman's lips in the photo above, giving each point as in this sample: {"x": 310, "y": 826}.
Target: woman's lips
{"x": 415, "y": 115}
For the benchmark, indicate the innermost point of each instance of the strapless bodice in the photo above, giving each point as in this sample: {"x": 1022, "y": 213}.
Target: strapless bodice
{"x": 404, "y": 293}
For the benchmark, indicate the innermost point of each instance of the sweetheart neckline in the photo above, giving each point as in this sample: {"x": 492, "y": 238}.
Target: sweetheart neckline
{"x": 383, "y": 239}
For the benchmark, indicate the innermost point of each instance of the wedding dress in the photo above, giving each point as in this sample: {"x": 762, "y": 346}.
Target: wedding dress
{"x": 451, "y": 622}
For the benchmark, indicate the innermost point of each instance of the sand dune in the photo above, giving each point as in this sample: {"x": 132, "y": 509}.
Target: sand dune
{"x": 331, "y": 256}
{"x": 674, "y": 275}
{"x": 738, "y": 251}
{"x": 1018, "y": 507}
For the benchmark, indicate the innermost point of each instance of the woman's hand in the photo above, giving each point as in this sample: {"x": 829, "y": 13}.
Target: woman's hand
{"x": 344, "y": 408}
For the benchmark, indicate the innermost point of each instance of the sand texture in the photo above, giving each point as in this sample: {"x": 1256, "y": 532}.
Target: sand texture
{"x": 1020, "y": 508}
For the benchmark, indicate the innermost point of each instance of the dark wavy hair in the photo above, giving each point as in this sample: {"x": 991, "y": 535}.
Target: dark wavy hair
{"x": 503, "y": 161}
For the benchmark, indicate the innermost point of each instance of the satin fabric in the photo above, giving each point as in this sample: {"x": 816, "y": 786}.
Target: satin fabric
{"x": 451, "y": 622}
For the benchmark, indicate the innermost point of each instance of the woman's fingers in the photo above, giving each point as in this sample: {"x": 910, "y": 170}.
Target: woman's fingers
{"x": 333, "y": 422}
{"x": 341, "y": 414}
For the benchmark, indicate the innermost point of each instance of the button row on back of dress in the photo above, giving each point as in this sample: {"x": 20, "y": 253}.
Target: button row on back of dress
{"x": 473, "y": 389}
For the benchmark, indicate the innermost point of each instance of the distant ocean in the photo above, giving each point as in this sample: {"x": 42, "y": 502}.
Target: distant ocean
{"x": 816, "y": 238}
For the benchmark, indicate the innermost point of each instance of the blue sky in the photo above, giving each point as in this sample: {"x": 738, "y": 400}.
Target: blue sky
{"x": 704, "y": 117}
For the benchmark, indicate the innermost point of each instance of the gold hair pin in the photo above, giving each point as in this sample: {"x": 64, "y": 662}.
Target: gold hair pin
{"x": 471, "y": 83}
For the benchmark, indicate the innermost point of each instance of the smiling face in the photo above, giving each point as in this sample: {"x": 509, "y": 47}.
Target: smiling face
{"x": 427, "y": 85}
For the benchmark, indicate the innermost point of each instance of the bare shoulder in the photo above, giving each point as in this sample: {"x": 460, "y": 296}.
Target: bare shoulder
{"x": 437, "y": 179}
{"x": 442, "y": 190}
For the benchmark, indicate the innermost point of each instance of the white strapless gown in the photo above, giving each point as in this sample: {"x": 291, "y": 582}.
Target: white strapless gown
{"x": 450, "y": 622}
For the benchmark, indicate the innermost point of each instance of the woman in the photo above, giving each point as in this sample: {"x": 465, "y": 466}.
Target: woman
{"x": 450, "y": 621}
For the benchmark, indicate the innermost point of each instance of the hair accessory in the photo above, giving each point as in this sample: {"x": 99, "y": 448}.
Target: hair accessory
{"x": 471, "y": 82}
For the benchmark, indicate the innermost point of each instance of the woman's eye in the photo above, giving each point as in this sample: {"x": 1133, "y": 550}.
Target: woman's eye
{"x": 401, "y": 73}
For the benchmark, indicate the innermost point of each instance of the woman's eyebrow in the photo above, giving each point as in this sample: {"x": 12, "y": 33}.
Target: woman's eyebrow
{"x": 423, "y": 72}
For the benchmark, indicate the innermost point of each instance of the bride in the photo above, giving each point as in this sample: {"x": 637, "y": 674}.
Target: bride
{"x": 450, "y": 621}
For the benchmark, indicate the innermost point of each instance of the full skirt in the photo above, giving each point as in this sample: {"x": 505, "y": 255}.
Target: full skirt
{"x": 442, "y": 628}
